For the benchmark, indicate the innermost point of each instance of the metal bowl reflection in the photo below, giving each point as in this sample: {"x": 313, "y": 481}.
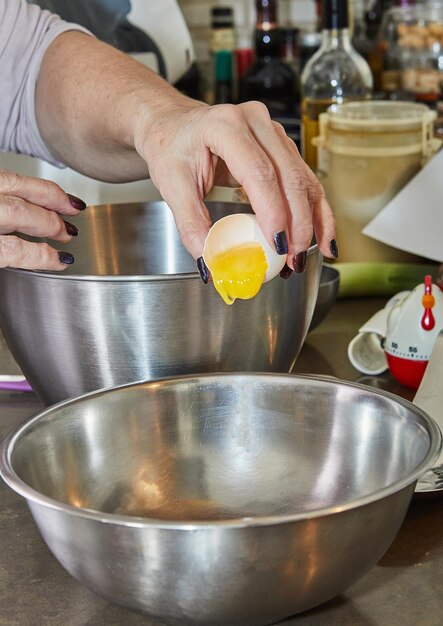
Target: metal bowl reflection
{"x": 235, "y": 499}
{"x": 133, "y": 308}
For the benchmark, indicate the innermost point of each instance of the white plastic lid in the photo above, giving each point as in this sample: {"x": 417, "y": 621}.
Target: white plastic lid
{"x": 375, "y": 114}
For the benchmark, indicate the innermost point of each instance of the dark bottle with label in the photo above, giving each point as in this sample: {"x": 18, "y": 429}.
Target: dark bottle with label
{"x": 222, "y": 36}
{"x": 270, "y": 80}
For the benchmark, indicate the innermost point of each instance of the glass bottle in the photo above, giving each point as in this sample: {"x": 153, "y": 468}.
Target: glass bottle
{"x": 374, "y": 15}
{"x": 309, "y": 43}
{"x": 223, "y": 77}
{"x": 374, "y": 12}
{"x": 270, "y": 80}
{"x": 359, "y": 37}
{"x": 222, "y": 35}
{"x": 244, "y": 58}
{"x": 290, "y": 52}
{"x": 335, "y": 74}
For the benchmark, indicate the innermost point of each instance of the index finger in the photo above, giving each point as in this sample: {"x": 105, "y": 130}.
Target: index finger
{"x": 41, "y": 192}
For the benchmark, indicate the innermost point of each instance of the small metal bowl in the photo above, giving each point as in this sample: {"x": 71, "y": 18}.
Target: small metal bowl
{"x": 221, "y": 499}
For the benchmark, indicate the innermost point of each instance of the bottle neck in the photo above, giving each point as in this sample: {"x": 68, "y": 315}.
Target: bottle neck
{"x": 268, "y": 43}
{"x": 336, "y": 38}
{"x": 335, "y": 15}
{"x": 266, "y": 14}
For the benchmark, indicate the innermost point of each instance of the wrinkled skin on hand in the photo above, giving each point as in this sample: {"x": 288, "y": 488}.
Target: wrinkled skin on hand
{"x": 34, "y": 207}
{"x": 109, "y": 117}
{"x": 194, "y": 146}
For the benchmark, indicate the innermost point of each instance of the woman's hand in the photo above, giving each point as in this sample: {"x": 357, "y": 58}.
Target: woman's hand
{"x": 191, "y": 147}
{"x": 34, "y": 207}
{"x": 107, "y": 116}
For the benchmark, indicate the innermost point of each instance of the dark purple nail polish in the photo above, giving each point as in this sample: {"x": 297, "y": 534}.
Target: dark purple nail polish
{"x": 333, "y": 248}
{"x": 77, "y": 203}
{"x": 205, "y": 274}
{"x": 286, "y": 272}
{"x": 66, "y": 258}
{"x": 281, "y": 242}
{"x": 71, "y": 229}
{"x": 300, "y": 262}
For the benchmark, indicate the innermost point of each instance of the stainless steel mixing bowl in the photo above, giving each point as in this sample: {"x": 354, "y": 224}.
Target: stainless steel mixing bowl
{"x": 327, "y": 294}
{"x": 221, "y": 500}
{"x": 133, "y": 308}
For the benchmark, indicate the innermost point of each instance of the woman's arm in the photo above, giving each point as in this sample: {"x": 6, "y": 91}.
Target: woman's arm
{"x": 107, "y": 116}
{"x": 88, "y": 99}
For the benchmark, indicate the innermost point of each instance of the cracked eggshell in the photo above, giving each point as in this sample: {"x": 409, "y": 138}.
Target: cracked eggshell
{"x": 236, "y": 230}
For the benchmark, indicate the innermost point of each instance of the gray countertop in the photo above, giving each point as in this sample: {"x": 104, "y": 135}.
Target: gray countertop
{"x": 404, "y": 588}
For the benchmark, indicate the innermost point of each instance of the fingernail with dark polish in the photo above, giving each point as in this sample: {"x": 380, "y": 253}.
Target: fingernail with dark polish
{"x": 281, "y": 242}
{"x": 333, "y": 248}
{"x": 300, "y": 262}
{"x": 286, "y": 272}
{"x": 66, "y": 258}
{"x": 71, "y": 229}
{"x": 205, "y": 274}
{"x": 77, "y": 203}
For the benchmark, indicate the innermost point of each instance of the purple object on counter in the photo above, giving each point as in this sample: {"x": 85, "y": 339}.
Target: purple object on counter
{"x": 15, "y": 385}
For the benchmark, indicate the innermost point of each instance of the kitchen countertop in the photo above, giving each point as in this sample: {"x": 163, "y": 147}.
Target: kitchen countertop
{"x": 403, "y": 589}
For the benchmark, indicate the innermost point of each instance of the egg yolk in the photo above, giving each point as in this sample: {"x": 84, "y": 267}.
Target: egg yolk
{"x": 239, "y": 272}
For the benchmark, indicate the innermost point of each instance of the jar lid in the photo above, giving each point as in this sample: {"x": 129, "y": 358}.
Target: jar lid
{"x": 374, "y": 114}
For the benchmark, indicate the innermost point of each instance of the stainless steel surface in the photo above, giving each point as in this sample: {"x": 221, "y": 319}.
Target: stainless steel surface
{"x": 36, "y": 589}
{"x": 327, "y": 294}
{"x": 228, "y": 499}
{"x": 133, "y": 307}
{"x": 429, "y": 397}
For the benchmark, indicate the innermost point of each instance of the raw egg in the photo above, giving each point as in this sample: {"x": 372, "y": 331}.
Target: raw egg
{"x": 239, "y": 257}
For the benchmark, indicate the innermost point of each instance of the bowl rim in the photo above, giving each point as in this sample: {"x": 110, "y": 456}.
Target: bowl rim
{"x": 158, "y": 204}
{"x": 12, "y": 479}
{"x": 329, "y": 275}
{"x": 121, "y": 278}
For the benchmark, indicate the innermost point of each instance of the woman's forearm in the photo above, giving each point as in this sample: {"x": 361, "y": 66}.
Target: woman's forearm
{"x": 90, "y": 99}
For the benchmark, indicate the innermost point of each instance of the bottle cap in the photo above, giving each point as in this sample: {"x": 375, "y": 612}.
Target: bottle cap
{"x": 222, "y": 17}
{"x": 217, "y": 11}
{"x": 223, "y": 65}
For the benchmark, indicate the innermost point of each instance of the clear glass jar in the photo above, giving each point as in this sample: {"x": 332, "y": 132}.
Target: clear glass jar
{"x": 372, "y": 150}
{"x": 412, "y": 37}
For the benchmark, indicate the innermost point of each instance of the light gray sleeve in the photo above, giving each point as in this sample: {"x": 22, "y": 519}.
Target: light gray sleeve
{"x": 26, "y": 31}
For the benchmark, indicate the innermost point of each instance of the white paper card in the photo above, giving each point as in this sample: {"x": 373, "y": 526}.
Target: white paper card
{"x": 413, "y": 220}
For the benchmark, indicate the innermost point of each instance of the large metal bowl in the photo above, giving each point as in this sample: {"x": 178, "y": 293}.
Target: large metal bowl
{"x": 133, "y": 308}
{"x": 221, "y": 500}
